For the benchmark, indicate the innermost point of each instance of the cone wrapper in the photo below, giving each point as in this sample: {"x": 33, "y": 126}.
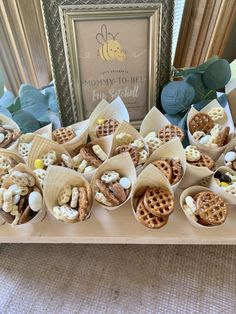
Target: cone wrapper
{"x": 231, "y": 146}
{"x": 10, "y": 154}
{"x": 230, "y": 199}
{"x": 153, "y": 122}
{"x": 192, "y": 191}
{"x": 45, "y": 131}
{"x": 42, "y": 212}
{"x": 41, "y": 146}
{"x": 171, "y": 149}
{"x": 125, "y": 127}
{"x": 215, "y": 152}
{"x": 122, "y": 164}
{"x": 105, "y": 143}
{"x": 151, "y": 176}
{"x": 56, "y": 178}
{"x": 82, "y": 128}
{"x": 115, "y": 110}
{"x": 12, "y": 123}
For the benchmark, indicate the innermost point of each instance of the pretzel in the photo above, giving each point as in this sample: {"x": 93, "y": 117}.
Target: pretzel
{"x": 102, "y": 199}
{"x": 107, "y": 193}
{"x": 40, "y": 173}
{"x": 197, "y": 135}
{"x": 83, "y": 203}
{"x": 87, "y": 154}
{"x": 148, "y": 219}
{"x": 164, "y": 166}
{"x": 139, "y": 144}
{"x": 201, "y": 122}
{"x": 22, "y": 179}
{"x": 118, "y": 191}
{"x": 170, "y": 131}
{"x": 7, "y": 139}
{"x": 49, "y": 158}
{"x": 217, "y": 114}
{"x": 177, "y": 171}
{"x": 153, "y": 143}
{"x": 108, "y": 127}
{"x": 150, "y": 135}
{"x": 159, "y": 201}
{"x": 110, "y": 176}
{"x": 63, "y": 135}
{"x": 82, "y": 166}
{"x": 192, "y": 153}
{"x": 16, "y": 134}
{"x": 222, "y": 138}
{"x": 64, "y": 195}
{"x": 204, "y": 161}
{"x": 67, "y": 160}
{"x": 89, "y": 169}
{"x": 211, "y": 208}
{"x": 25, "y": 216}
{"x": 134, "y": 154}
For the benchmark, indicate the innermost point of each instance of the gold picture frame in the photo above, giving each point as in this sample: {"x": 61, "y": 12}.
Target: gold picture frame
{"x": 76, "y": 28}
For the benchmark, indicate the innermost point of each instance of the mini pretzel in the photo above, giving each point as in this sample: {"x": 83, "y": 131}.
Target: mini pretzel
{"x": 110, "y": 176}
{"x": 177, "y": 171}
{"x": 222, "y": 138}
{"x": 159, "y": 201}
{"x": 170, "y": 131}
{"x": 148, "y": 219}
{"x": 87, "y": 154}
{"x": 107, "y": 193}
{"x": 63, "y": 135}
{"x": 83, "y": 203}
{"x": 165, "y": 167}
{"x": 201, "y": 122}
{"x": 108, "y": 127}
{"x": 64, "y": 195}
{"x": 118, "y": 191}
{"x": 134, "y": 154}
{"x": 67, "y": 160}
{"x": 211, "y": 208}
{"x": 204, "y": 161}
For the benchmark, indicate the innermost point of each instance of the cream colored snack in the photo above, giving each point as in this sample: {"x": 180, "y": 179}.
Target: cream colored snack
{"x": 40, "y": 173}
{"x": 110, "y": 176}
{"x": 197, "y": 135}
{"x": 64, "y": 195}
{"x": 124, "y": 138}
{"x": 139, "y": 144}
{"x": 82, "y": 166}
{"x": 218, "y": 115}
{"x": 65, "y": 213}
{"x": 143, "y": 156}
{"x": 7, "y": 201}
{"x": 99, "y": 152}
{"x": 74, "y": 197}
{"x": 89, "y": 169}
{"x": 192, "y": 153}
{"x": 50, "y": 158}
{"x": 99, "y": 197}
{"x": 153, "y": 143}
{"x": 67, "y": 160}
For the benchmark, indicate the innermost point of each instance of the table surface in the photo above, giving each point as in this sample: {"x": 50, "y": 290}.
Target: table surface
{"x": 120, "y": 226}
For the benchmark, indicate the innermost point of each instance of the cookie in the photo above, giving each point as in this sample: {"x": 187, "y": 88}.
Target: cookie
{"x": 170, "y": 131}
{"x": 107, "y": 193}
{"x": 108, "y": 127}
{"x": 63, "y": 135}
{"x": 211, "y": 208}
{"x": 159, "y": 201}
{"x": 164, "y": 166}
{"x": 134, "y": 153}
{"x": 87, "y": 154}
{"x": 148, "y": 219}
{"x": 222, "y": 138}
{"x": 204, "y": 161}
{"x": 201, "y": 122}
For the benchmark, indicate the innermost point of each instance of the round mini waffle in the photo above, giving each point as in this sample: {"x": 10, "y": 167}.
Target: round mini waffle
{"x": 211, "y": 208}
{"x": 108, "y": 127}
{"x": 201, "y": 122}
{"x": 148, "y": 219}
{"x": 63, "y": 135}
{"x": 164, "y": 166}
{"x": 170, "y": 131}
{"x": 134, "y": 153}
{"x": 159, "y": 201}
{"x": 204, "y": 161}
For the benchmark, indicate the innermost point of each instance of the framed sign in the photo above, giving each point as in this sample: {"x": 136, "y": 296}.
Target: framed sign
{"x": 100, "y": 50}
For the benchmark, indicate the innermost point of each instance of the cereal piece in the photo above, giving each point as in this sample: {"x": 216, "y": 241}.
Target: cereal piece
{"x": 153, "y": 143}
{"x": 99, "y": 197}
{"x": 198, "y": 135}
{"x": 99, "y": 152}
{"x": 125, "y": 182}
{"x": 7, "y": 201}
{"x": 192, "y": 153}
{"x": 19, "y": 178}
{"x": 38, "y": 164}
{"x": 64, "y": 195}
{"x": 124, "y": 138}
{"x": 49, "y": 158}
{"x": 77, "y": 160}
{"x": 108, "y": 127}
{"x": 191, "y": 203}
{"x": 110, "y": 176}
{"x": 201, "y": 122}
{"x": 65, "y": 213}
{"x": 23, "y": 149}
{"x": 139, "y": 144}
{"x": 143, "y": 156}
{"x": 89, "y": 169}
{"x": 40, "y": 173}
{"x": 67, "y": 160}
{"x": 218, "y": 115}
{"x": 150, "y": 135}
{"x": 82, "y": 166}
{"x": 74, "y": 197}
{"x": 63, "y": 135}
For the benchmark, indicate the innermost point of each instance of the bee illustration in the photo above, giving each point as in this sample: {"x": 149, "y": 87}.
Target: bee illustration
{"x": 110, "y": 48}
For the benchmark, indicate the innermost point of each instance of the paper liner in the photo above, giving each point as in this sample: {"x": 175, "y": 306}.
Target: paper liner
{"x": 6, "y": 183}
{"x": 71, "y": 145}
{"x": 151, "y": 176}
{"x": 215, "y": 152}
{"x": 231, "y": 146}
{"x": 56, "y": 178}
{"x": 42, "y": 146}
{"x": 153, "y": 121}
{"x": 123, "y": 164}
{"x": 192, "y": 191}
{"x": 6, "y": 120}
{"x": 128, "y": 128}
{"x": 45, "y": 131}
{"x": 171, "y": 149}
{"x": 230, "y": 199}
{"x": 105, "y": 143}
{"x": 115, "y": 110}
{"x": 15, "y": 156}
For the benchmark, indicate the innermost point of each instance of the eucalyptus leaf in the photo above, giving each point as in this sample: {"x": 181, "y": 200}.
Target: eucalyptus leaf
{"x": 16, "y": 106}
{"x": 44, "y": 120}
{"x": 26, "y": 87}
{"x": 196, "y": 81}
{"x": 2, "y": 84}
{"x": 201, "y": 104}
{"x": 217, "y": 74}
{"x": 7, "y": 99}
{"x": 34, "y": 102}
{"x": 206, "y": 64}
{"x": 26, "y": 121}
{"x": 5, "y": 112}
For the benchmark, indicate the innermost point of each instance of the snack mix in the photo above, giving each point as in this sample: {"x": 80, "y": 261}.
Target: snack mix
{"x": 22, "y": 200}
{"x": 25, "y": 144}
{"x": 106, "y": 127}
{"x": 8, "y": 135}
{"x": 208, "y": 129}
{"x": 171, "y": 168}
{"x": 73, "y": 203}
{"x": 154, "y": 205}
{"x": 226, "y": 181}
{"x": 90, "y": 157}
{"x": 155, "y": 139}
{"x": 195, "y": 158}
{"x": 206, "y": 208}
{"x": 112, "y": 189}
{"x": 136, "y": 148}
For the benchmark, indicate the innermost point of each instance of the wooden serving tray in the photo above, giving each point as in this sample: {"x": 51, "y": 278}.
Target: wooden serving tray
{"x": 120, "y": 226}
